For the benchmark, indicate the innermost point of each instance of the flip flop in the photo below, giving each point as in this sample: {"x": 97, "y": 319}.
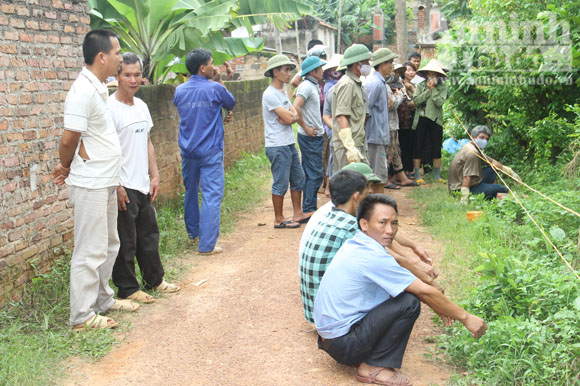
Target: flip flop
{"x": 141, "y": 297}
{"x": 396, "y": 379}
{"x": 97, "y": 322}
{"x": 392, "y": 186}
{"x": 412, "y": 183}
{"x": 167, "y": 288}
{"x": 421, "y": 181}
{"x": 286, "y": 225}
{"x": 304, "y": 220}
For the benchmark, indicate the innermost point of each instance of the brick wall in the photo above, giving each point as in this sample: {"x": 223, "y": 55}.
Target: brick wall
{"x": 40, "y": 56}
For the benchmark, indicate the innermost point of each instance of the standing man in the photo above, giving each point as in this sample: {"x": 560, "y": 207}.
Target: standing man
{"x": 199, "y": 102}
{"x": 377, "y": 126}
{"x": 137, "y": 222}
{"x": 348, "y": 109}
{"x": 90, "y": 164}
{"x": 279, "y": 115}
{"x": 310, "y": 132}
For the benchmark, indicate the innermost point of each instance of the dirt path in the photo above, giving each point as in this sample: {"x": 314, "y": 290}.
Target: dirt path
{"x": 245, "y": 325}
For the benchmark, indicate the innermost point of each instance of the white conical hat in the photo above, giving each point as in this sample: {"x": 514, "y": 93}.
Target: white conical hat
{"x": 333, "y": 62}
{"x": 434, "y": 66}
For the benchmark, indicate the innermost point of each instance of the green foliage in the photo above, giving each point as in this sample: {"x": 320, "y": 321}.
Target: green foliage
{"x": 502, "y": 269}
{"x": 159, "y": 31}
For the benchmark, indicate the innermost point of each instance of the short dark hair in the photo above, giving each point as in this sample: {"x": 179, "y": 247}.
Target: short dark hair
{"x": 345, "y": 183}
{"x": 367, "y": 206}
{"x": 95, "y": 41}
{"x": 409, "y": 64}
{"x": 197, "y": 58}
{"x": 130, "y": 58}
{"x": 314, "y": 42}
{"x": 414, "y": 54}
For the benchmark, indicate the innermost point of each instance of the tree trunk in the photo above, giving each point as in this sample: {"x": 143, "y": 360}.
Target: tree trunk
{"x": 401, "y": 29}
{"x": 338, "y": 48}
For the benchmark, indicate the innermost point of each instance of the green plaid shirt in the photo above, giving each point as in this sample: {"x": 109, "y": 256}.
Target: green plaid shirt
{"x": 330, "y": 233}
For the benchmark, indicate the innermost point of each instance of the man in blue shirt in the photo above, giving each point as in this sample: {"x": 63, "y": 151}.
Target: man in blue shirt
{"x": 367, "y": 303}
{"x": 201, "y": 139}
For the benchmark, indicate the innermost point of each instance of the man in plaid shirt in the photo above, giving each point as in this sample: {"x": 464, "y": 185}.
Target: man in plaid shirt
{"x": 347, "y": 189}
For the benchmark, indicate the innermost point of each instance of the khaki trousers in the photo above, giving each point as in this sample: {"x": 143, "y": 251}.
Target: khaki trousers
{"x": 96, "y": 247}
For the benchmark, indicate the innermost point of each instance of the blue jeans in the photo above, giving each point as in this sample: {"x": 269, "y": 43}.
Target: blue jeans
{"x": 285, "y": 166}
{"x": 311, "y": 149}
{"x": 488, "y": 186}
{"x": 205, "y": 224}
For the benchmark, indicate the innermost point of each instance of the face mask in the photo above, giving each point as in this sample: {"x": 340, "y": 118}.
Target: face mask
{"x": 365, "y": 70}
{"x": 482, "y": 143}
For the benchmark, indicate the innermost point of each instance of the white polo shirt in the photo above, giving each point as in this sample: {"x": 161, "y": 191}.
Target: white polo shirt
{"x": 133, "y": 124}
{"x": 86, "y": 111}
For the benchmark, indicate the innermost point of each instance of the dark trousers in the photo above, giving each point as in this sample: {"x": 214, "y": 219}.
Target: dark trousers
{"x": 311, "y": 149}
{"x": 488, "y": 185}
{"x": 139, "y": 236}
{"x": 380, "y": 338}
{"x": 406, "y": 137}
{"x": 428, "y": 140}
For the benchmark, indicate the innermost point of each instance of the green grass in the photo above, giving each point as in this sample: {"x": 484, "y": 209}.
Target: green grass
{"x": 35, "y": 338}
{"x": 500, "y": 268}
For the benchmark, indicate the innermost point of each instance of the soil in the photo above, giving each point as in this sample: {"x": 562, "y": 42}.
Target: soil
{"x": 244, "y": 325}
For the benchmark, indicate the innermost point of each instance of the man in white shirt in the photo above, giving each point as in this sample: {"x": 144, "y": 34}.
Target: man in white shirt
{"x": 90, "y": 164}
{"x": 137, "y": 222}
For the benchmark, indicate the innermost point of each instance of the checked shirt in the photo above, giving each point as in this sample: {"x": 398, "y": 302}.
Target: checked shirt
{"x": 330, "y": 233}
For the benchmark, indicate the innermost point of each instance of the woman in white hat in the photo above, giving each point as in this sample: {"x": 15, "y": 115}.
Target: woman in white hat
{"x": 429, "y": 98}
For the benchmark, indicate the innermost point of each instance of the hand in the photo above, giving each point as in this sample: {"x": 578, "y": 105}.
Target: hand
{"x": 122, "y": 198}
{"x": 60, "y": 174}
{"x": 353, "y": 155}
{"x": 427, "y": 269}
{"x": 311, "y": 131}
{"x": 510, "y": 172}
{"x": 153, "y": 188}
{"x": 229, "y": 117}
{"x": 476, "y": 325}
{"x": 447, "y": 321}
{"x": 229, "y": 70}
{"x": 217, "y": 75}
{"x": 423, "y": 255}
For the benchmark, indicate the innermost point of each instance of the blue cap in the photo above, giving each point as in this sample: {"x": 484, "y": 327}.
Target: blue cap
{"x": 311, "y": 63}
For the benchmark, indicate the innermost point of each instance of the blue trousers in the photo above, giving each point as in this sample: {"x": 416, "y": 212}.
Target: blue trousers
{"x": 209, "y": 171}
{"x": 312, "y": 164}
{"x": 488, "y": 186}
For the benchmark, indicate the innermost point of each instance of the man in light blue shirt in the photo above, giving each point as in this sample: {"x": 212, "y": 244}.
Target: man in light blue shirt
{"x": 199, "y": 102}
{"x": 367, "y": 303}
{"x": 377, "y": 126}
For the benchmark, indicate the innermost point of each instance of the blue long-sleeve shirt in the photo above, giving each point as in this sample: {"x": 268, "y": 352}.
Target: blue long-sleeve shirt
{"x": 377, "y": 126}
{"x": 199, "y": 103}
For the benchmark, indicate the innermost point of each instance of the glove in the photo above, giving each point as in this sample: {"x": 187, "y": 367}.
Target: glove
{"x": 510, "y": 172}
{"x": 352, "y": 153}
{"x": 464, "y": 194}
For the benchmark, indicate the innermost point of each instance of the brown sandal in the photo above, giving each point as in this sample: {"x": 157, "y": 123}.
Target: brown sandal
{"x": 397, "y": 379}
{"x": 141, "y": 297}
{"x": 97, "y": 322}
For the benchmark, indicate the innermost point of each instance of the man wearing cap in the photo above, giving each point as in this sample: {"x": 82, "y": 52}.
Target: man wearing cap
{"x": 377, "y": 125}
{"x": 348, "y": 109}
{"x": 310, "y": 132}
{"x": 468, "y": 174}
{"x": 279, "y": 115}
{"x": 429, "y": 98}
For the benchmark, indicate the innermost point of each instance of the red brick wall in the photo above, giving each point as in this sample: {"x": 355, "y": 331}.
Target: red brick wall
{"x": 40, "y": 56}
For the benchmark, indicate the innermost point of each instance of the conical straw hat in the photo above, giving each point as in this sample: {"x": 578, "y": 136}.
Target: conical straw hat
{"x": 434, "y": 66}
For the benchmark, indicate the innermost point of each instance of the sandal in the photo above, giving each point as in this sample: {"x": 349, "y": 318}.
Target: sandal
{"x": 97, "y": 322}
{"x": 167, "y": 288}
{"x": 393, "y": 186}
{"x": 141, "y": 297}
{"x": 124, "y": 305}
{"x": 397, "y": 379}
{"x": 421, "y": 181}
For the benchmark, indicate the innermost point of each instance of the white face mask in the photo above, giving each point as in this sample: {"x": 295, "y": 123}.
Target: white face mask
{"x": 365, "y": 70}
{"x": 482, "y": 143}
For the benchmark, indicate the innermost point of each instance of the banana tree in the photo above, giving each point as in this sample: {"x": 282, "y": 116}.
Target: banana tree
{"x": 159, "y": 31}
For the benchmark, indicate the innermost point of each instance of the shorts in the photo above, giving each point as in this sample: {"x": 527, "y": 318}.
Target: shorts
{"x": 286, "y": 169}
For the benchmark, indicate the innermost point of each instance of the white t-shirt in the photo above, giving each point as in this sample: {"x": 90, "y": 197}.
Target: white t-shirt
{"x": 86, "y": 111}
{"x": 276, "y": 133}
{"x": 133, "y": 124}
{"x": 311, "y": 224}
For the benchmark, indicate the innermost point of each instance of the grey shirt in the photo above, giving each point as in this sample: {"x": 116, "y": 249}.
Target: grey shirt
{"x": 310, "y": 92}
{"x": 276, "y": 133}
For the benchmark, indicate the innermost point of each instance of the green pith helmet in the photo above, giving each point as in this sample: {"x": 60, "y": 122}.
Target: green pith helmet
{"x": 363, "y": 169}
{"x": 278, "y": 61}
{"x": 382, "y": 55}
{"x": 355, "y": 53}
